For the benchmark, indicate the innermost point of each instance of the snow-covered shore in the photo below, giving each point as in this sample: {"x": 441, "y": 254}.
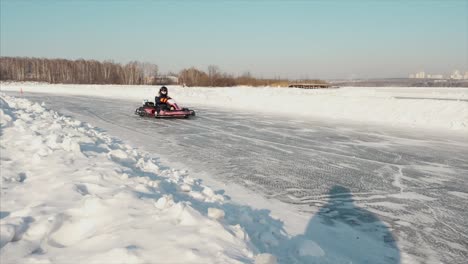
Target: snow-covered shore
{"x": 70, "y": 192}
{"x": 424, "y": 108}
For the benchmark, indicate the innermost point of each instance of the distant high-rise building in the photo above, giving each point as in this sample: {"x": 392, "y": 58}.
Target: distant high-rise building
{"x": 456, "y": 75}
{"x": 420, "y": 75}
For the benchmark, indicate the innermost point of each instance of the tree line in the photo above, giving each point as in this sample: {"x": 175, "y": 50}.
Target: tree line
{"x": 214, "y": 77}
{"x": 75, "y": 71}
{"x": 133, "y": 73}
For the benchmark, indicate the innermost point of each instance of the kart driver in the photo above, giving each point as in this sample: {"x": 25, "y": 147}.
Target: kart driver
{"x": 161, "y": 100}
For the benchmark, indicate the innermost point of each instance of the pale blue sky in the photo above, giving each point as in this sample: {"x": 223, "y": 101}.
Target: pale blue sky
{"x": 295, "y": 39}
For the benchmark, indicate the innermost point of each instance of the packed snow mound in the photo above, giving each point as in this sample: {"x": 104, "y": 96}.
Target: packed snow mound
{"x": 424, "y": 107}
{"x": 70, "y": 192}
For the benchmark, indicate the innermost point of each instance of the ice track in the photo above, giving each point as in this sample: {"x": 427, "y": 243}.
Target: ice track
{"x": 415, "y": 182}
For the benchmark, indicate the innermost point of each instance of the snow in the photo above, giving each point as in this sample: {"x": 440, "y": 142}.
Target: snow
{"x": 265, "y": 259}
{"x": 215, "y": 213}
{"x": 70, "y": 192}
{"x": 459, "y": 194}
{"x": 408, "y": 187}
{"x": 429, "y": 108}
{"x": 310, "y": 248}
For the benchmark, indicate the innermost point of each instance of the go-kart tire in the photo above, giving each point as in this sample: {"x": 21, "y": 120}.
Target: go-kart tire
{"x": 141, "y": 111}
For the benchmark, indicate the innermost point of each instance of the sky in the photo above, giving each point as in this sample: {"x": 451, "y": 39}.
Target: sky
{"x": 340, "y": 39}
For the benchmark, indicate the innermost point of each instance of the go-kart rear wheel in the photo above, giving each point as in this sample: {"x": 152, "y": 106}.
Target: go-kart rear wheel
{"x": 140, "y": 111}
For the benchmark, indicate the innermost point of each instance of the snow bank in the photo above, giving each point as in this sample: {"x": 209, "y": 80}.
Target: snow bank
{"x": 69, "y": 192}
{"x": 433, "y": 108}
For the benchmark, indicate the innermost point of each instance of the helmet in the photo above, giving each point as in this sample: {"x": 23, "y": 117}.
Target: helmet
{"x": 163, "y": 90}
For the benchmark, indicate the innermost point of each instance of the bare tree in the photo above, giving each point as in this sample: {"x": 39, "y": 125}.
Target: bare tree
{"x": 193, "y": 77}
{"x": 150, "y": 72}
{"x": 213, "y": 74}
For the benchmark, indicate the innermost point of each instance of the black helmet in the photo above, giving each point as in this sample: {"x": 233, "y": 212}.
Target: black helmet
{"x": 163, "y": 89}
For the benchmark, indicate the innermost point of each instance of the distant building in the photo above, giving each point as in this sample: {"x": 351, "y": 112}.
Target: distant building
{"x": 456, "y": 75}
{"x": 174, "y": 79}
{"x": 162, "y": 80}
{"x": 435, "y": 76}
{"x": 420, "y": 75}
{"x": 166, "y": 79}
{"x": 309, "y": 85}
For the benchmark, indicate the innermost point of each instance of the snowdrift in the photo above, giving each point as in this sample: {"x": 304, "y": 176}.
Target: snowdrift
{"x": 424, "y": 108}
